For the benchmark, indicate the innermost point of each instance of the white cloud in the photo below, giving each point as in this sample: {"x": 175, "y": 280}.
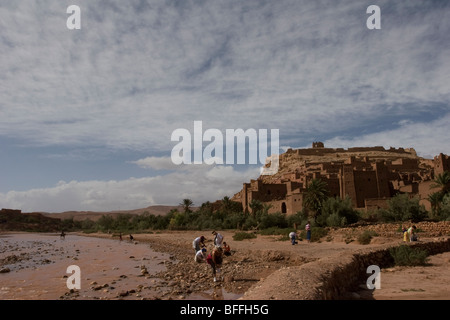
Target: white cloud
{"x": 133, "y": 74}
{"x": 157, "y": 163}
{"x": 200, "y": 183}
{"x": 428, "y": 139}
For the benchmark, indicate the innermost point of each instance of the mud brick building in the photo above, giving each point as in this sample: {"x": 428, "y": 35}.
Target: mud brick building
{"x": 368, "y": 175}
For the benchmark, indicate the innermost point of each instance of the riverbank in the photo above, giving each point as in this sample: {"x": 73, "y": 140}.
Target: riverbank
{"x": 113, "y": 269}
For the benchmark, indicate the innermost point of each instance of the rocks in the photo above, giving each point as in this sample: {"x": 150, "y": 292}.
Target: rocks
{"x": 4, "y": 270}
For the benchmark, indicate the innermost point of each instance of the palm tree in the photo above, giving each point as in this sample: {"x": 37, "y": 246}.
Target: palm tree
{"x": 256, "y": 206}
{"x": 316, "y": 193}
{"x": 435, "y": 200}
{"x": 187, "y": 204}
{"x": 226, "y": 203}
{"x": 442, "y": 181}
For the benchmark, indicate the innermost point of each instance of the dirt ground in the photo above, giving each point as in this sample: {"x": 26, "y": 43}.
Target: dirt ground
{"x": 254, "y": 259}
{"x": 251, "y": 262}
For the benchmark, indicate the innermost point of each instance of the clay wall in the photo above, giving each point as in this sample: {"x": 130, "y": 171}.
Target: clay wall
{"x": 294, "y": 203}
{"x": 441, "y": 164}
{"x": 376, "y": 203}
{"x": 366, "y": 186}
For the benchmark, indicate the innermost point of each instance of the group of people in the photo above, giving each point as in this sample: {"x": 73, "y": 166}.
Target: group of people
{"x": 215, "y": 257}
{"x": 409, "y": 234}
{"x": 293, "y": 234}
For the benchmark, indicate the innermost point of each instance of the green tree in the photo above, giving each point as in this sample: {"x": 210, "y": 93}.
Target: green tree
{"x": 337, "y": 213}
{"x": 435, "y": 199}
{"x": 226, "y": 203}
{"x": 402, "y": 208}
{"x": 316, "y": 193}
{"x": 256, "y": 206}
{"x": 442, "y": 181}
{"x": 187, "y": 204}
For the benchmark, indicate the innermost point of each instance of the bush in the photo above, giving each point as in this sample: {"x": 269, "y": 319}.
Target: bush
{"x": 239, "y": 236}
{"x": 337, "y": 213}
{"x": 405, "y": 255}
{"x": 276, "y": 219}
{"x": 366, "y": 237}
{"x": 401, "y": 208}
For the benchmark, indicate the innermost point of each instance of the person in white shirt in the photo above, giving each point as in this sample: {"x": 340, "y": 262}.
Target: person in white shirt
{"x": 196, "y": 243}
{"x": 293, "y": 237}
{"x": 218, "y": 239}
{"x": 200, "y": 256}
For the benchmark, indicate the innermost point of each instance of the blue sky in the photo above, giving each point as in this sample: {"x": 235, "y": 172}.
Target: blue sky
{"x": 86, "y": 116}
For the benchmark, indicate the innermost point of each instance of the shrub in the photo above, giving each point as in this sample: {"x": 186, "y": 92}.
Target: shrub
{"x": 366, "y": 237}
{"x": 239, "y": 236}
{"x": 276, "y": 219}
{"x": 337, "y": 212}
{"x": 405, "y": 255}
{"x": 401, "y": 208}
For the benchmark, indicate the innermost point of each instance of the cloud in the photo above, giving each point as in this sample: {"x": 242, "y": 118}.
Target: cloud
{"x": 157, "y": 163}
{"x": 134, "y": 73}
{"x": 428, "y": 139}
{"x": 200, "y": 183}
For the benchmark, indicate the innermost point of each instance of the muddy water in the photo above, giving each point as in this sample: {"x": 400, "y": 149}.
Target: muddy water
{"x": 110, "y": 269}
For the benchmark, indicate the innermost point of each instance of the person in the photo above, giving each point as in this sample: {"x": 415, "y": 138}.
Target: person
{"x": 201, "y": 256}
{"x": 120, "y": 236}
{"x": 196, "y": 243}
{"x": 226, "y": 249}
{"x": 308, "y": 231}
{"x": 131, "y": 238}
{"x": 412, "y": 234}
{"x": 62, "y": 235}
{"x": 293, "y": 237}
{"x": 405, "y": 234}
{"x": 218, "y": 239}
{"x": 214, "y": 259}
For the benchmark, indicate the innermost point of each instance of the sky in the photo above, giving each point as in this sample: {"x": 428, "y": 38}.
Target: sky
{"x": 87, "y": 115}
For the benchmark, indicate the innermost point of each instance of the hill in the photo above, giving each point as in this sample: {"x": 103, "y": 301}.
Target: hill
{"x": 156, "y": 210}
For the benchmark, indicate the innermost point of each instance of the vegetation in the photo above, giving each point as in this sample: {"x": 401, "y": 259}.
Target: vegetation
{"x": 239, "y": 236}
{"x": 366, "y": 237}
{"x": 320, "y": 209}
{"x": 337, "y": 213}
{"x": 405, "y": 255}
{"x": 440, "y": 200}
{"x": 315, "y": 195}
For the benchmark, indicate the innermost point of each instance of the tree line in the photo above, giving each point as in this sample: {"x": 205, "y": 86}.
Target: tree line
{"x": 319, "y": 208}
